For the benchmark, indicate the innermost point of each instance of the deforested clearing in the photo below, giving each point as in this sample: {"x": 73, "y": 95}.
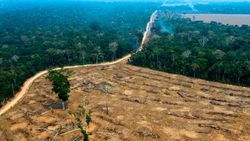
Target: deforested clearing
{"x": 143, "y": 105}
{"x": 231, "y": 19}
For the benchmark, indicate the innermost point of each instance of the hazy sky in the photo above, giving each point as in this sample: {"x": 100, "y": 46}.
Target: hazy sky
{"x": 149, "y": 0}
{"x": 144, "y": 0}
{"x": 173, "y": 0}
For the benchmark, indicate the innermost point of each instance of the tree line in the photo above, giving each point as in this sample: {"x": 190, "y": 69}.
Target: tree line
{"x": 210, "y": 51}
{"x": 54, "y": 35}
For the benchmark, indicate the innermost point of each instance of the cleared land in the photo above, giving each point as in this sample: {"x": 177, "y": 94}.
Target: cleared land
{"x": 144, "y": 105}
{"x": 231, "y": 19}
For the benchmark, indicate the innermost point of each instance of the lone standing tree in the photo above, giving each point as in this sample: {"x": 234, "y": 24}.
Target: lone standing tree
{"x": 61, "y": 85}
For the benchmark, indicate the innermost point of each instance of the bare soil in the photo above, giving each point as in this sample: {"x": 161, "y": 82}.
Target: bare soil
{"x": 231, "y": 19}
{"x": 144, "y": 105}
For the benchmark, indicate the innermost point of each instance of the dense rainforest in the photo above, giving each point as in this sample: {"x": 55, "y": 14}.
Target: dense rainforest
{"x": 39, "y": 35}
{"x": 210, "y": 51}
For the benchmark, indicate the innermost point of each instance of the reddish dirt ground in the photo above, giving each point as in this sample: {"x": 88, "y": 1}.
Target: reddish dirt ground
{"x": 144, "y": 105}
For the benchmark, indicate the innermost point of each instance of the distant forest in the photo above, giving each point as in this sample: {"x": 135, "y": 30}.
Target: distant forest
{"x": 224, "y": 8}
{"x": 210, "y": 51}
{"x": 38, "y": 36}
{"x": 212, "y": 8}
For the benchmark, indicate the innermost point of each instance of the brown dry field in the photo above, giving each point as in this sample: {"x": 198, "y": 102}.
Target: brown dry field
{"x": 231, "y": 19}
{"x": 145, "y": 105}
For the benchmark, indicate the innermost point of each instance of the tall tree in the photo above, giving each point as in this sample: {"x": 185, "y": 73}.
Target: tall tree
{"x": 61, "y": 85}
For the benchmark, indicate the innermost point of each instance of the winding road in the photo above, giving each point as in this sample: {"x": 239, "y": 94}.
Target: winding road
{"x": 29, "y": 82}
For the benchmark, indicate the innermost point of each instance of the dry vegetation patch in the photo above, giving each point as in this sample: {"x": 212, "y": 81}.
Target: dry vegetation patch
{"x": 143, "y": 105}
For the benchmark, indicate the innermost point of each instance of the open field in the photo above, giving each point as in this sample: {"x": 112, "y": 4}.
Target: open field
{"x": 144, "y": 105}
{"x": 231, "y": 19}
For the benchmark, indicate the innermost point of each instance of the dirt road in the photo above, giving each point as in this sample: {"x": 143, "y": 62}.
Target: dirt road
{"x": 29, "y": 82}
{"x": 144, "y": 105}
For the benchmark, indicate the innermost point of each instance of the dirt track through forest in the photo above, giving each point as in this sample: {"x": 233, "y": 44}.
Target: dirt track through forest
{"x": 29, "y": 82}
{"x": 144, "y": 105}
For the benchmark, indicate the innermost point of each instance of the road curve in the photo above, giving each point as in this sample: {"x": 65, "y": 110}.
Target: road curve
{"x": 29, "y": 82}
